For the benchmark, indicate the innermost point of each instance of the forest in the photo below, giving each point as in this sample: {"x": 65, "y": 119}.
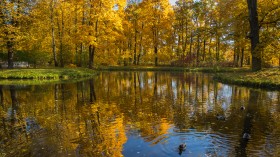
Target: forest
{"x": 191, "y": 33}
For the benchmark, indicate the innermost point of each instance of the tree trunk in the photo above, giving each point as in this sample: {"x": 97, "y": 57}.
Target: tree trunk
{"x": 179, "y": 46}
{"x": 10, "y": 47}
{"x": 234, "y": 56}
{"x": 76, "y": 32}
{"x": 198, "y": 51}
{"x": 254, "y": 35}
{"x": 61, "y": 34}
{"x": 53, "y": 34}
{"x": 79, "y": 64}
{"x": 155, "y": 33}
{"x": 242, "y": 57}
{"x": 204, "y": 49}
{"x": 135, "y": 44}
{"x": 91, "y": 56}
{"x": 237, "y": 57}
{"x": 156, "y": 55}
{"x": 54, "y": 48}
{"x": 190, "y": 53}
{"x": 186, "y": 36}
{"x": 218, "y": 49}
{"x": 80, "y": 58}
{"x": 140, "y": 46}
{"x": 92, "y": 48}
{"x": 209, "y": 49}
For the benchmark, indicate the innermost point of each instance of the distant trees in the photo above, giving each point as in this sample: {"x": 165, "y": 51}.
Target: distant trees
{"x": 104, "y": 32}
{"x": 13, "y": 25}
{"x": 150, "y": 29}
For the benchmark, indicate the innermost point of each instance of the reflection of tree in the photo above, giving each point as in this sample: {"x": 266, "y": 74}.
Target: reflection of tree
{"x": 247, "y": 127}
{"x": 81, "y": 93}
{"x": 14, "y": 97}
{"x": 14, "y": 108}
{"x": 275, "y": 130}
{"x": 92, "y": 91}
{"x": 134, "y": 88}
{"x": 103, "y": 131}
{"x": 100, "y": 112}
{"x": 56, "y": 86}
{"x": 1, "y": 96}
{"x": 215, "y": 92}
{"x": 155, "y": 84}
{"x": 13, "y": 135}
{"x": 140, "y": 88}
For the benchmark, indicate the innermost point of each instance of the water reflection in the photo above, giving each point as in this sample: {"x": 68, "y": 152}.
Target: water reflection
{"x": 138, "y": 114}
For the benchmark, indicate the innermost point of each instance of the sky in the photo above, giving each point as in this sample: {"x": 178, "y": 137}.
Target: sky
{"x": 172, "y": 2}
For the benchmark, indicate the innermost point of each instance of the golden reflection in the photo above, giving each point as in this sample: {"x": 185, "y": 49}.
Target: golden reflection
{"x": 93, "y": 118}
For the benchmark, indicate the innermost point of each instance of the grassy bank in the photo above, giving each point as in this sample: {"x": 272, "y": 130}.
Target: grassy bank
{"x": 266, "y": 78}
{"x": 38, "y": 81}
{"x": 7, "y": 76}
{"x": 168, "y": 68}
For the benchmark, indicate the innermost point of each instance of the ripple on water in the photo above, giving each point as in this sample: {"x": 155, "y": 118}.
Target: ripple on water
{"x": 198, "y": 143}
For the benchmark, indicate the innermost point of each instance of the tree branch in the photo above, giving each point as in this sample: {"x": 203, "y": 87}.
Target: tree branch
{"x": 261, "y": 23}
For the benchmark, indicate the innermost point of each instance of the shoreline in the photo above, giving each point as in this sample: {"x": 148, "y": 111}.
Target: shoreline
{"x": 43, "y": 75}
{"x": 266, "y": 78}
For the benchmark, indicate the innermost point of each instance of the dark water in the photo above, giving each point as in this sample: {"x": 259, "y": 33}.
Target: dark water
{"x": 139, "y": 114}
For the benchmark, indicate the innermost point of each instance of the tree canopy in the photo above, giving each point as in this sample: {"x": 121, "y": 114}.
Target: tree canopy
{"x": 88, "y": 33}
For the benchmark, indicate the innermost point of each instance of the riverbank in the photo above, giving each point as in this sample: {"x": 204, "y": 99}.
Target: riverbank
{"x": 266, "y": 78}
{"x": 38, "y": 76}
{"x": 59, "y": 73}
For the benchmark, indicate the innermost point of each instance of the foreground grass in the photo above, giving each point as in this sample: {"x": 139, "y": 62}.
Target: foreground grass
{"x": 266, "y": 78}
{"x": 39, "y": 76}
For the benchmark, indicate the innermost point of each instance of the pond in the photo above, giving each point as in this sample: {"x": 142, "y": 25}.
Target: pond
{"x": 139, "y": 114}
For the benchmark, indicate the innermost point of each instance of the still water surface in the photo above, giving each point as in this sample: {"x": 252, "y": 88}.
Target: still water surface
{"x": 139, "y": 114}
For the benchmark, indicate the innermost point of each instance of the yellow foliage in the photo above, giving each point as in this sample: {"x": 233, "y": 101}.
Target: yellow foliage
{"x": 136, "y": 30}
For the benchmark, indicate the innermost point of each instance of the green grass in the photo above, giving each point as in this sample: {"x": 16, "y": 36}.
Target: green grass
{"x": 29, "y": 76}
{"x": 266, "y": 78}
{"x": 38, "y": 81}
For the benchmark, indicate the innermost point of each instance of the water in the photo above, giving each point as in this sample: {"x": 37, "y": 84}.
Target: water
{"x": 139, "y": 114}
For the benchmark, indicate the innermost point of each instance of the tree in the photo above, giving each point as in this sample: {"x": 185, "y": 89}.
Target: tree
{"x": 10, "y": 13}
{"x": 158, "y": 23}
{"x": 15, "y": 20}
{"x": 254, "y": 35}
{"x": 105, "y": 32}
{"x": 52, "y": 7}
